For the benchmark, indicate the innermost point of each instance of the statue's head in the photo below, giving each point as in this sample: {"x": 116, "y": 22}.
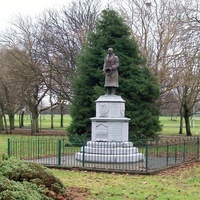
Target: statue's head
{"x": 110, "y": 51}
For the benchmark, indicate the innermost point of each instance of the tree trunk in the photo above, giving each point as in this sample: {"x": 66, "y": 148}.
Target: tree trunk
{"x": 187, "y": 126}
{"x": 61, "y": 115}
{"x": 52, "y": 123}
{"x": 187, "y": 120}
{"x": 181, "y": 125}
{"x": 181, "y": 121}
{"x": 4, "y": 117}
{"x": 1, "y": 122}
{"x": 12, "y": 121}
{"x": 51, "y": 103}
{"x": 21, "y": 121}
{"x": 34, "y": 122}
{"x": 5, "y": 122}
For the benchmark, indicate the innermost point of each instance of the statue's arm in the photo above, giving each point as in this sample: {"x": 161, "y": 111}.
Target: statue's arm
{"x": 116, "y": 63}
{"x": 104, "y": 65}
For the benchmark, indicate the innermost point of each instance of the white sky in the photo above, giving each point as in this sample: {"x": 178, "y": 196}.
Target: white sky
{"x": 11, "y": 8}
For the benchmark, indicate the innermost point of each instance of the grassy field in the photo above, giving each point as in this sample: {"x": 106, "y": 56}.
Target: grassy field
{"x": 170, "y": 126}
{"x": 179, "y": 185}
{"x": 4, "y": 143}
{"x": 45, "y": 121}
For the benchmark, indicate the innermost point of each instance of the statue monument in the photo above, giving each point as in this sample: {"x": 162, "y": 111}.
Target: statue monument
{"x": 111, "y": 63}
{"x": 109, "y": 142}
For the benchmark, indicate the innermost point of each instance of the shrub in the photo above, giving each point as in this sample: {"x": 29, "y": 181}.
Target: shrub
{"x": 26, "y": 180}
{"x": 13, "y": 190}
{"x": 77, "y": 140}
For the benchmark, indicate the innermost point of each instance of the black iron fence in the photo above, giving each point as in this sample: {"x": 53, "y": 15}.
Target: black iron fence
{"x": 144, "y": 157}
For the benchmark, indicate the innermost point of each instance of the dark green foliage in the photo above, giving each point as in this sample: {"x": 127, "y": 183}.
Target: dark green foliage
{"x": 140, "y": 92}
{"x": 77, "y": 140}
{"x": 137, "y": 85}
{"x": 12, "y": 190}
{"x": 25, "y": 180}
{"x": 86, "y": 90}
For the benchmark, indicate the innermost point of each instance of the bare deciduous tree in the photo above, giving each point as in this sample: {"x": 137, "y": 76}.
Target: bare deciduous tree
{"x": 10, "y": 92}
{"x": 168, "y": 33}
{"x": 22, "y": 46}
{"x": 64, "y": 33}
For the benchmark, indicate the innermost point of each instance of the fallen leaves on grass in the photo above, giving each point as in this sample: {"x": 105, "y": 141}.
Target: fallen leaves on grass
{"x": 76, "y": 193}
{"x": 179, "y": 169}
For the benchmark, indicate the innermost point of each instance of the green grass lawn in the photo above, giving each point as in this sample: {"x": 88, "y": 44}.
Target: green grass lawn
{"x": 173, "y": 186}
{"x": 4, "y": 143}
{"x": 44, "y": 121}
{"x": 170, "y": 126}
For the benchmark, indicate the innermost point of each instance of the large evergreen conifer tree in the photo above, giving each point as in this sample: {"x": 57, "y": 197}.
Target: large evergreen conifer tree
{"x": 137, "y": 85}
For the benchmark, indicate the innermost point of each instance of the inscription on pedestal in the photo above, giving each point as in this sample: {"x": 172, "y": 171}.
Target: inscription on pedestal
{"x": 101, "y": 132}
{"x": 115, "y": 131}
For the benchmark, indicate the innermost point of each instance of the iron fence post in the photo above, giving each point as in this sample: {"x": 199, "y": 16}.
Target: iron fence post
{"x": 184, "y": 151}
{"x": 157, "y": 149}
{"x": 59, "y": 152}
{"x": 198, "y": 148}
{"x": 9, "y": 147}
{"x": 63, "y": 144}
{"x": 175, "y": 153}
{"x": 38, "y": 146}
{"x": 167, "y": 156}
{"x": 84, "y": 154}
{"x": 146, "y": 158}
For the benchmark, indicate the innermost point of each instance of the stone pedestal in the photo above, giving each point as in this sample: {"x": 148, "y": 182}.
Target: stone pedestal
{"x": 110, "y": 123}
{"x": 109, "y": 142}
{"x": 109, "y": 129}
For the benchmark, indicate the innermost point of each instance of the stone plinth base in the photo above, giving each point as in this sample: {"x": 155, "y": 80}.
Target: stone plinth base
{"x": 110, "y": 123}
{"x": 110, "y": 129}
{"x": 109, "y": 152}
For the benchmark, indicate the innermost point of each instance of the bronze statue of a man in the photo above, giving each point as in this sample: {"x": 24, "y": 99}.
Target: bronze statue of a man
{"x": 111, "y": 63}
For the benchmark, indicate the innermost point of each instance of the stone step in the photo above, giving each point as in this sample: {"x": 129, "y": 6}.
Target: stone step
{"x": 99, "y": 158}
{"x": 110, "y": 150}
{"x": 102, "y": 144}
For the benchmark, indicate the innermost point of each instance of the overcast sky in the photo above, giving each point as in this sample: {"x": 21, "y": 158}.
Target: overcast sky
{"x": 10, "y": 8}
